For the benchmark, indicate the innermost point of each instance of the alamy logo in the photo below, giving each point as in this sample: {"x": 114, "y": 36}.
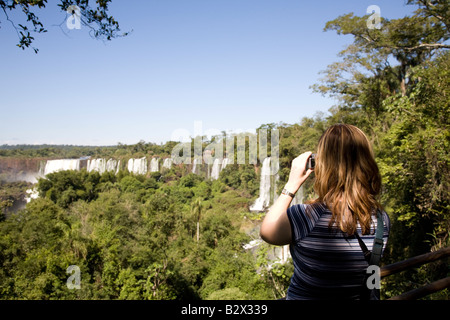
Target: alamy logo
{"x": 223, "y": 146}
{"x": 74, "y": 281}
{"x": 373, "y": 281}
{"x": 74, "y": 20}
{"x": 374, "y": 21}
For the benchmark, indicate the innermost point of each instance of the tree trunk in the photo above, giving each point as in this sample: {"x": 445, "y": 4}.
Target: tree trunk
{"x": 198, "y": 230}
{"x": 403, "y": 79}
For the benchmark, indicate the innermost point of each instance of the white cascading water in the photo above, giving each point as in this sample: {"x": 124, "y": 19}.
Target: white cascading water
{"x": 101, "y": 165}
{"x": 216, "y": 168}
{"x": 277, "y": 254}
{"x": 138, "y": 166}
{"x": 154, "y": 165}
{"x": 98, "y": 165}
{"x": 276, "y": 178}
{"x": 130, "y": 165}
{"x": 264, "y": 188}
{"x": 60, "y": 165}
{"x": 31, "y": 194}
{"x": 112, "y": 165}
{"x": 225, "y": 162}
{"x": 167, "y": 164}
{"x": 194, "y": 165}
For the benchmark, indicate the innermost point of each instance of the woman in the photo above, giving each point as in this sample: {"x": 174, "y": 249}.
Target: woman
{"x": 328, "y": 260}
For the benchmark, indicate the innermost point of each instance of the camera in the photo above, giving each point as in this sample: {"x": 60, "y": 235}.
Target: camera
{"x": 311, "y": 163}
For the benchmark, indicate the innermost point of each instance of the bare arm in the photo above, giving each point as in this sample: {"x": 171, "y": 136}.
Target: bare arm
{"x": 276, "y": 228}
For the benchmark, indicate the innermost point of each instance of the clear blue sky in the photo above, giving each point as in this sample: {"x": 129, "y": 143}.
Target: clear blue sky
{"x": 231, "y": 64}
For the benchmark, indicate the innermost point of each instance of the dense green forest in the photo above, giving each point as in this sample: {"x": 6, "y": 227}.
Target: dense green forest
{"x": 70, "y": 151}
{"x": 135, "y": 237}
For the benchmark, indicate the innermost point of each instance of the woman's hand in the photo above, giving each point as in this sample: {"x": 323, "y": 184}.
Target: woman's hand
{"x": 298, "y": 173}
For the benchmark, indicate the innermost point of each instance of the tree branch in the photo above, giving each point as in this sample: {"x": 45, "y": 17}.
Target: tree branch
{"x": 430, "y": 46}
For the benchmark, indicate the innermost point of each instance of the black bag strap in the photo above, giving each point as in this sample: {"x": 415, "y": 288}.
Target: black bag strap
{"x": 373, "y": 257}
{"x": 363, "y": 246}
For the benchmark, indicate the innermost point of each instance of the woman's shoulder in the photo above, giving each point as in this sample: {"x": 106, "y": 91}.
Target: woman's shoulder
{"x": 311, "y": 210}
{"x": 318, "y": 207}
{"x": 304, "y": 217}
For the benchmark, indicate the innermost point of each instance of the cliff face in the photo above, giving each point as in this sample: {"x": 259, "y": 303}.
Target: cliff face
{"x": 20, "y": 169}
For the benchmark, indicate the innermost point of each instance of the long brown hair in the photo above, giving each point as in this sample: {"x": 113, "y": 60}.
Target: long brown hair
{"x": 347, "y": 178}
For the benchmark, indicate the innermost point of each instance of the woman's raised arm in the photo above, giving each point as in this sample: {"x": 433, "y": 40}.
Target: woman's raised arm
{"x": 276, "y": 228}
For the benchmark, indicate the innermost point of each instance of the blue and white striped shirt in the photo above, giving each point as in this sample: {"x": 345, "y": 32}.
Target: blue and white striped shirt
{"x": 327, "y": 263}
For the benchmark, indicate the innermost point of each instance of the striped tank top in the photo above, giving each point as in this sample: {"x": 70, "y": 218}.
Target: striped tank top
{"x": 327, "y": 263}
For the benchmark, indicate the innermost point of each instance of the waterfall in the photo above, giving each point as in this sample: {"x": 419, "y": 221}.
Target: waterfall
{"x": 31, "y": 194}
{"x": 154, "y": 165}
{"x": 112, "y": 165}
{"x": 224, "y": 163}
{"x": 42, "y": 166}
{"x": 264, "y": 188}
{"x": 216, "y": 169}
{"x": 167, "y": 164}
{"x": 101, "y": 165}
{"x": 252, "y": 244}
{"x": 131, "y": 165}
{"x": 194, "y": 165}
{"x": 279, "y": 254}
{"x": 276, "y": 178}
{"x": 60, "y": 165}
{"x": 137, "y": 166}
{"x": 98, "y": 165}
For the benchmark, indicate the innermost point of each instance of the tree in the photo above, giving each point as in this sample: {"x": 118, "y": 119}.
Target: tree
{"x": 410, "y": 40}
{"x": 228, "y": 294}
{"x": 96, "y": 18}
{"x": 4, "y": 205}
{"x": 196, "y": 211}
{"x": 415, "y": 158}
